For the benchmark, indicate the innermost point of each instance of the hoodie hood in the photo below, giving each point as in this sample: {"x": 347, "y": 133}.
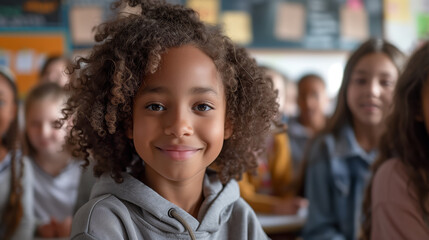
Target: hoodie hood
{"x": 154, "y": 209}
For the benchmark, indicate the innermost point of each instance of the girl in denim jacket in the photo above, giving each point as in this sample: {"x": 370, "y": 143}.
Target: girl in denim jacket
{"x": 339, "y": 158}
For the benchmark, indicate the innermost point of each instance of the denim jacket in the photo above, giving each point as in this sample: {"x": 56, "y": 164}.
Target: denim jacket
{"x": 336, "y": 177}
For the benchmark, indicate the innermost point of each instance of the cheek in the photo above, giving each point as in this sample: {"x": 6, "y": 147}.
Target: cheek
{"x": 33, "y": 138}
{"x": 32, "y": 133}
{"x": 212, "y": 132}
{"x": 60, "y": 135}
{"x": 6, "y": 118}
{"x": 350, "y": 97}
{"x": 387, "y": 96}
{"x": 144, "y": 130}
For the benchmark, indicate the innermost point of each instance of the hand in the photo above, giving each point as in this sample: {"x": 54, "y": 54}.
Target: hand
{"x": 47, "y": 230}
{"x": 289, "y": 206}
{"x": 64, "y": 228}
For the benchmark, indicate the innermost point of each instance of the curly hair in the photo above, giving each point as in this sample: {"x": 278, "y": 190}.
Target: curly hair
{"x": 131, "y": 47}
{"x": 406, "y": 137}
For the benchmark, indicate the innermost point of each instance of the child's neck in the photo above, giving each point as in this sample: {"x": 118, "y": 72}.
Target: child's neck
{"x": 53, "y": 164}
{"x": 367, "y": 136}
{"x": 186, "y": 195}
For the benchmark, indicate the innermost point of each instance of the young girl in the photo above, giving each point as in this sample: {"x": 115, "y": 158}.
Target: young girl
{"x": 396, "y": 204}
{"x": 162, "y": 97}
{"x": 56, "y": 173}
{"x": 16, "y": 199}
{"x": 339, "y": 159}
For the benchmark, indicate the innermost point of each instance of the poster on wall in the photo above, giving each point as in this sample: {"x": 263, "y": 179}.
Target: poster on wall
{"x": 30, "y": 13}
{"x": 24, "y": 53}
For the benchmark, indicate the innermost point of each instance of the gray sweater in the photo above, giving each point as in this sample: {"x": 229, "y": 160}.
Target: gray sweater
{"x": 132, "y": 210}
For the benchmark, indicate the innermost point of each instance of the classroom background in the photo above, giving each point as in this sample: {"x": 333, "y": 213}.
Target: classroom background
{"x": 292, "y": 36}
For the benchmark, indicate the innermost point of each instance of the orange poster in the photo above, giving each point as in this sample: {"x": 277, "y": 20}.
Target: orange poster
{"x": 25, "y": 52}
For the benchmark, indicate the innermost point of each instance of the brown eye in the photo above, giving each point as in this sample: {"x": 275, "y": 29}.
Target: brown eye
{"x": 203, "y": 107}
{"x": 155, "y": 107}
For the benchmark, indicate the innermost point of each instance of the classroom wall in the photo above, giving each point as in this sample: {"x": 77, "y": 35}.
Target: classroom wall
{"x": 405, "y": 24}
{"x": 294, "y": 64}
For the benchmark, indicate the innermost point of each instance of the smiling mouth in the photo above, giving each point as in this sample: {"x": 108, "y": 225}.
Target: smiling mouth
{"x": 179, "y": 154}
{"x": 371, "y": 107}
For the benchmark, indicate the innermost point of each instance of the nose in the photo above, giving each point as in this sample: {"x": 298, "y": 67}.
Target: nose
{"x": 374, "y": 88}
{"x": 45, "y": 130}
{"x": 178, "y": 123}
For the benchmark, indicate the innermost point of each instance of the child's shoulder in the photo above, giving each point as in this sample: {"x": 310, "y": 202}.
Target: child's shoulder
{"x": 97, "y": 213}
{"x": 391, "y": 173}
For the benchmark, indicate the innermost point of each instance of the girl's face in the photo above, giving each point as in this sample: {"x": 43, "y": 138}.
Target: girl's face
{"x": 40, "y": 119}
{"x": 7, "y": 106}
{"x": 370, "y": 91}
{"x": 425, "y": 104}
{"x": 179, "y": 117}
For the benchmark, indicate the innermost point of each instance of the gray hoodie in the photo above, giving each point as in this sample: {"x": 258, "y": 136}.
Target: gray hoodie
{"x": 132, "y": 210}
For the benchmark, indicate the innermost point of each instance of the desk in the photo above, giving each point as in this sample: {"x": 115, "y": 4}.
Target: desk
{"x": 273, "y": 224}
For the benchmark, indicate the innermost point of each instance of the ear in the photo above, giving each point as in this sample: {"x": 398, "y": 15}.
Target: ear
{"x": 228, "y": 129}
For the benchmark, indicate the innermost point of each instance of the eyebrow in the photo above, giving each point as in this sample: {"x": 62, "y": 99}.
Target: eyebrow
{"x": 363, "y": 72}
{"x": 193, "y": 91}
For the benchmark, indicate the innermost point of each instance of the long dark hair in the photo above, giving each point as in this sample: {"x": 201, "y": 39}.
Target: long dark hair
{"x": 406, "y": 136}
{"x": 13, "y": 210}
{"x": 342, "y": 113}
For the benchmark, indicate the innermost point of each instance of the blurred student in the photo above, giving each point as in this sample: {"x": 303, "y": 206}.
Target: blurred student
{"x": 396, "y": 202}
{"x": 56, "y": 173}
{"x": 16, "y": 199}
{"x": 290, "y": 106}
{"x": 54, "y": 70}
{"x": 287, "y": 93}
{"x": 339, "y": 159}
{"x": 269, "y": 191}
{"x": 312, "y": 103}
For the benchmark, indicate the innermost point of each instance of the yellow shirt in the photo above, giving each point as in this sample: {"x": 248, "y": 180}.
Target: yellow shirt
{"x": 279, "y": 167}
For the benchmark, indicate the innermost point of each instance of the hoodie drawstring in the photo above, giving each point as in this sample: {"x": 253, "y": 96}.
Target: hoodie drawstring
{"x": 173, "y": 214}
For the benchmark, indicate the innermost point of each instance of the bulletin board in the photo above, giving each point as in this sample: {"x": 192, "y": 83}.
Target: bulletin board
{"x": 261, "y": 24}
{"x": 24, "y": 53}
{"x": 295, "y": 24}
